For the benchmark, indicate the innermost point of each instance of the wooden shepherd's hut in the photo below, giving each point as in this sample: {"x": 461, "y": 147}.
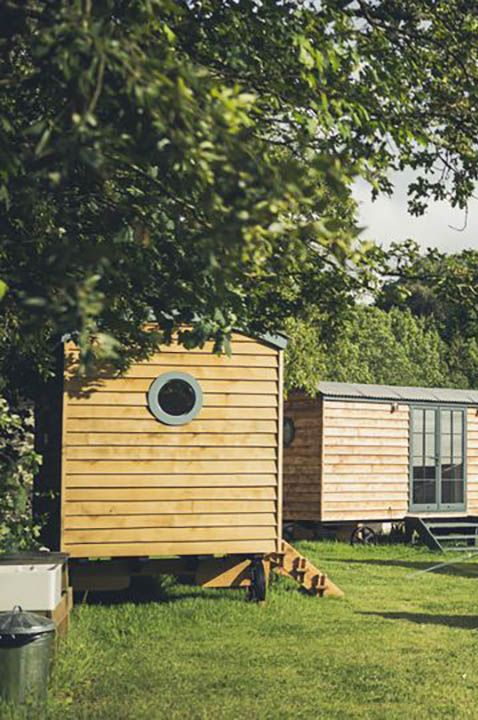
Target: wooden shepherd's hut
{"x": 180, "y": 457}
{"x": 377, "y": 455}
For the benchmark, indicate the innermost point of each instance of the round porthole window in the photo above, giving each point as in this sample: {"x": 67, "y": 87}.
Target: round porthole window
{"x": 289, "y": 431}
{"x": 175, "y": 398}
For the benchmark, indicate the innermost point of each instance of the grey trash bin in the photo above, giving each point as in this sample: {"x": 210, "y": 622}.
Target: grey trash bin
{"x": 26, "y": 652}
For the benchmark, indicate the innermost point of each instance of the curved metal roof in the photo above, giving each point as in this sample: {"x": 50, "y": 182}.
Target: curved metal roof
{"x": 397, "y": 393}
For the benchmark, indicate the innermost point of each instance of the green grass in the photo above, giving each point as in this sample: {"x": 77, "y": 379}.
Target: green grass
{"x": 397, "y": 646}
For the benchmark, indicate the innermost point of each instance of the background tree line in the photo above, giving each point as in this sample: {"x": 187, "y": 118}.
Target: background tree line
{"x": 417, "y": 327}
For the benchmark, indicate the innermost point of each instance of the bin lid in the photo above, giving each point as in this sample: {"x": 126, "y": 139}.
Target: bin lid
{"x": 19, "y": 622}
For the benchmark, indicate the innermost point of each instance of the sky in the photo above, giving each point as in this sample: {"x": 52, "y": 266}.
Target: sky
{"x": 387, "y": 219}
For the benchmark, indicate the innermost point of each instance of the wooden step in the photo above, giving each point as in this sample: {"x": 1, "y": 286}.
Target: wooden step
{"x": 292, "y": 564}
{"x": 452, "y": 525}
{"x": 439, "y": 534}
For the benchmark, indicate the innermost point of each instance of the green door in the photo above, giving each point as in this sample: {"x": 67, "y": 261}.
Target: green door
{"x": 437, "y": 459}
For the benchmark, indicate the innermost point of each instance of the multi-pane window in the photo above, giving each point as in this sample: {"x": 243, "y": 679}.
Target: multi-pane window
{"x": 452, "y": 466}
{"x": 437, "y": 447}
{"x": 424, "y": 457}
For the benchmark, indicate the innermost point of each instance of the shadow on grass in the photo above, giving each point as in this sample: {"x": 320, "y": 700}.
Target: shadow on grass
{"x": 465, "y": 622}
{"x": 149, "y": 589}
{"x": 457, "y": 569}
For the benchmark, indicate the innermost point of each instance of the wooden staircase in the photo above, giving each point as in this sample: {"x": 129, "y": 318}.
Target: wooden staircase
{"x": 458, "y": 534}
{"x": 292, "y": 564}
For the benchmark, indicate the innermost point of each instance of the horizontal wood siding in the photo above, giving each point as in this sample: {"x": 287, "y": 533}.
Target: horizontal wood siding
{"x": 472, "y": 461}
{"x": 133, "y": 486}
{"x": 302, "y": 459}
{"x": 365, "y": 461}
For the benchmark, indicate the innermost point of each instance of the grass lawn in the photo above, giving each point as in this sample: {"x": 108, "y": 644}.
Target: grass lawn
{"x": 396, "y": 647}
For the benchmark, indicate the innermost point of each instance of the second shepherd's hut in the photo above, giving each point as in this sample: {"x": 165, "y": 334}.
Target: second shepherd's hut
{"x": 378, "y": 455}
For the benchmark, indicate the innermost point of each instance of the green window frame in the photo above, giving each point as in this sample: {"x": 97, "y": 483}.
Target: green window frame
{"x": 158, "y": 407}
{"x": 437, "y": 458}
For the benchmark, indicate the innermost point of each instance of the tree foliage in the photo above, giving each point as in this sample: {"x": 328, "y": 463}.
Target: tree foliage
{"x": 377, "y": 346}
{"x": 442, "y": 289}
{"x": 383, "y": 84}
{"x": 437, "y": 285}
{"x": 18, "y": 464}
{"x": 137, "y": 183}
{"x": 183, "y": 160}
{"x": 422, "y": 328}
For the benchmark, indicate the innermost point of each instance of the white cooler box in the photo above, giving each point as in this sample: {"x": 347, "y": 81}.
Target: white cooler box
{"x": 33, "y": 587}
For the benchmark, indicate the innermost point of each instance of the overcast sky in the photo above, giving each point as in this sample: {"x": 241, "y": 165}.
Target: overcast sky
{"x": 387, "y": 220}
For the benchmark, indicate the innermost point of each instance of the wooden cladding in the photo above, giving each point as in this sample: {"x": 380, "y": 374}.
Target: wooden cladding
{"x": 139, "y": 375}
{"x": 161, "y": 453}
{"x": 183, "y": 520}
{"x": 348, "y": 461}
{"x": 175, "y": 547}
{"x": 132, "y": 485}
{"x": 365, "y": 469}
{"x": 167, "y": 507}
{"x": 165, "y": 467}
{"x": 91, "y": 412}
{"x": 151, "y": 494}
{"x": 471, "y": 487}
{"x": 194, "y": 429}
{"x": 171, "y": 534}
{"x": 169, "y": 480}
{"x": 231, "y": 398}
{"x": 79, "y": 388}
{"x": 302, "y": 459}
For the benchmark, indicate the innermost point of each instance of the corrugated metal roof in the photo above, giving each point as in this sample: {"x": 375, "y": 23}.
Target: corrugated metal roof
{"x": 397, "y": 393}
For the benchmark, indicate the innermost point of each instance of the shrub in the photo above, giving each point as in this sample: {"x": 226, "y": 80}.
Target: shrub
{"x": 18, "y": 464}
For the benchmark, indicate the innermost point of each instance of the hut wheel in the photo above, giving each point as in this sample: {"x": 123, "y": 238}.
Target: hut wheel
{"x": 258, "y": 586}
{"x": 363, "y": 535}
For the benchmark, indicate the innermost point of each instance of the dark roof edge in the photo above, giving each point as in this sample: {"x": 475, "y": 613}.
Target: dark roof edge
{"x": 278, "y": 341}
{"x": 364, "y": 398}
{"x": 400, "y": 401}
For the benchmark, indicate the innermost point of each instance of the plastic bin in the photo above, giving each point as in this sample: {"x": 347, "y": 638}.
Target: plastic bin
{"x": 30, "y": 585}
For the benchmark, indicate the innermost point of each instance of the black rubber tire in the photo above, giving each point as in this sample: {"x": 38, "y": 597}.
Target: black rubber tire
{"x": 258, "y": 588}
{"x": 363, "y": 535}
